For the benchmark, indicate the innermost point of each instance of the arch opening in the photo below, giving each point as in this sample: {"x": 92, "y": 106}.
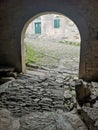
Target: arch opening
{"x": 56, "y": 28}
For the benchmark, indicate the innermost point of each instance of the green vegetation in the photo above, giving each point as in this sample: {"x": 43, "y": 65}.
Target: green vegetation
{"x": 69, "y": 43}
{"x": 32, "y": 55}
{"x": 38, "y": 57}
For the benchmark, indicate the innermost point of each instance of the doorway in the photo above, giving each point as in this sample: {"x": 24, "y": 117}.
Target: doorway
{"x": 53, "y": 40}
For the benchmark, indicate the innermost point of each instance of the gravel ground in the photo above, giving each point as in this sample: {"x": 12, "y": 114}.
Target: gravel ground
{"x": 56, "y": 54}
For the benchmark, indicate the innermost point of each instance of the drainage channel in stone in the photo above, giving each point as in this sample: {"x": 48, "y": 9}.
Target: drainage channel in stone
{"x": 44, "y": 90}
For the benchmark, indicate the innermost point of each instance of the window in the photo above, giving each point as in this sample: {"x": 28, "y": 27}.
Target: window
{"x": 56, "y": 22}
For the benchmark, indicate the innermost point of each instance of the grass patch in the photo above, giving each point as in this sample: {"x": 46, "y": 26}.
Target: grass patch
{"x": 32, "y": 55}
{"x": 39, "y": 57}
{"x": 69, "y": 43}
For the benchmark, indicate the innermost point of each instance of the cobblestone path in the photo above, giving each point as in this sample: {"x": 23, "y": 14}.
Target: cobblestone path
{"x": 42, "y": 99}
{"x": 56, "y": 54}
{"x": 40, "y": 90}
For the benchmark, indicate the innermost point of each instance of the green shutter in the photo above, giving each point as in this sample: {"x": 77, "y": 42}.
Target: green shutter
{"x": 56, "y": 23}
{"x": 38, "y": 28}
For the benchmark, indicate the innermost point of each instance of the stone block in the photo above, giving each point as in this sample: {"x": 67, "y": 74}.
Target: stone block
{"x": 90, "y": 116}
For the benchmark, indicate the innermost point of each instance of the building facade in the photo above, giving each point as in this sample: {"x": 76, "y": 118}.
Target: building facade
{"x": 53, "y": 26}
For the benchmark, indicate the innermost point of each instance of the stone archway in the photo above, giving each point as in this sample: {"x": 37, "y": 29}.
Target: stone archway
{"x": 18, "y": 13}
{"x": 80, "y": 23}
{"x": 31, "y": 26}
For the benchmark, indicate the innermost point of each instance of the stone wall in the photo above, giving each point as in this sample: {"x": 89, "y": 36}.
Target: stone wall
{"x": 91, "y": 47}
{"x": 15, "y": 16}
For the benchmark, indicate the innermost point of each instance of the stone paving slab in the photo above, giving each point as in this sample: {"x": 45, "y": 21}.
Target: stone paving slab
{"x": 90, "y": 116}
{"x": 51, "y": 121}
{"x": 7, "y": 122}
{"x": 41, "y": 121}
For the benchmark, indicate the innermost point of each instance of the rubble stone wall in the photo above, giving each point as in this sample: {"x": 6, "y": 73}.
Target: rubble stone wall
{"x": 15, "y": 14}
